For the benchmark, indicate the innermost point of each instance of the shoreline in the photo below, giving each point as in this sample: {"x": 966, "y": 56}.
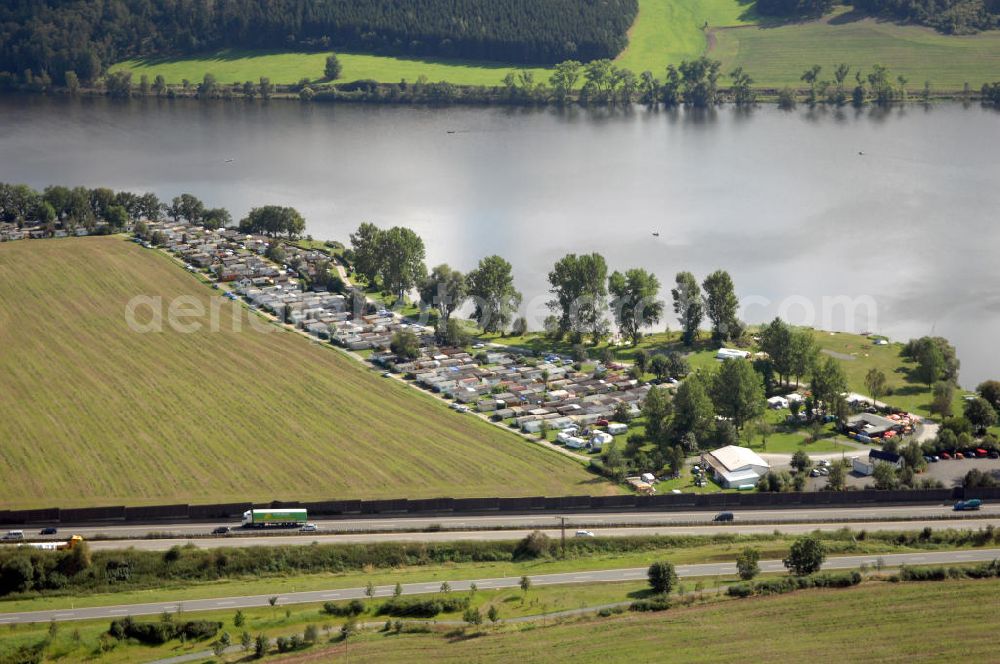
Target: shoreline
{"x": 495, "y": 97}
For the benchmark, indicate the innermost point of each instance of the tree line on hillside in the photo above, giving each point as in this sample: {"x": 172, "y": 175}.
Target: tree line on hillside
{"x": 958, "y": 17}
{"x": 949, "y": 16}
{"x": 53, "y": 37}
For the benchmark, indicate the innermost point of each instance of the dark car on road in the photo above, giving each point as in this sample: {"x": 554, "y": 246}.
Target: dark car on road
{"x": 221, "y": 530}
{"x": 48, "y": 531}
{"x": 724, "y": 516}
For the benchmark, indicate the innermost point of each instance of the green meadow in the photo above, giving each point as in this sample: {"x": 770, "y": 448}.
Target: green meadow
{"x": 95, "y": 413}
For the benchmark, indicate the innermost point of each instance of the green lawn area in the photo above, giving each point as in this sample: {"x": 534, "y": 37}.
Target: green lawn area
{"x": 232, "y": 65}
{"x": 669, "y": 31}
{"x": 906, "y": 394}
{"x": 510, "y": 603}
{"x": 777, "y": 55}
{"x": 95, "y": 413}
{"x": 813, "y": 625}
{"x": 665, "y": 31}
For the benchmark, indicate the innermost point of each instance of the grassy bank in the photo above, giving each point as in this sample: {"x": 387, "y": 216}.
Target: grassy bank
{"x": 206, "y": 574}
{"x": 820, "y": 625}
{"x": 665, "y": 31}
{"x": 96, "y": 413}
{"x": 776, "y": 55}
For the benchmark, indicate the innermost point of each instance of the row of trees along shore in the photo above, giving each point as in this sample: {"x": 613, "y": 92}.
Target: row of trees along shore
{"x": 696, "y": 83}
{"x": 105, "y": 210}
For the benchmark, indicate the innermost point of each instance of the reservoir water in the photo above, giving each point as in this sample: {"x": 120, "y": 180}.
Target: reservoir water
{"x": 854, "y": 220}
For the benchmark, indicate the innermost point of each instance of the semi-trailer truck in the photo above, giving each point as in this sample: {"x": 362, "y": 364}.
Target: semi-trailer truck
{"x": 275, "y": 518}
{"x": 56, "y": 546}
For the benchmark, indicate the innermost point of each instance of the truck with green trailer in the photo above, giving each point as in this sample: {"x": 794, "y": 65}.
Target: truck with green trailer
{"x": 275, "y": 518}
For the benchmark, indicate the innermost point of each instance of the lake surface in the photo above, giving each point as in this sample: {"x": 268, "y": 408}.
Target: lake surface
{"x": 905, "y": 233}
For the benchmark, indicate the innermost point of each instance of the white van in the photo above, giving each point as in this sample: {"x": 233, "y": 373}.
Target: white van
{"x": 14, "y": 536}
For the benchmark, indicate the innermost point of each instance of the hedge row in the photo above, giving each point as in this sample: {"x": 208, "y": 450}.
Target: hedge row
{"x": 422, "y": 608}
{"x": 792, "y": 583}
{"x": 155, "y": 633}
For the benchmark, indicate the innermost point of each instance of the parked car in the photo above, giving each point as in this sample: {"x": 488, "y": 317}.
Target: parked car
{"x": 945, "y": 456}
{"x": 308, "y": 528}
{"x": 585, "y": 533}
{"x": 221, "y": 530}
{"x": 48, "y": 531}
{"x": 724, "y": 516}
{"x": 959, "y": 455}
{"x": 602, "y": 423}
{"x": 994, "y": 454}
{"x": 814, "y": 472}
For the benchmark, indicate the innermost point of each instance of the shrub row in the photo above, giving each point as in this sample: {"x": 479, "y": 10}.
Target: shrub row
{"x": 422, "y": 608}
{"x": 353, "y": 608}
{"x": 652, "y": 604}
{"x": 985, "y": 571}
{"x": 792, "y": 583}
{"x": 155, "y": 633}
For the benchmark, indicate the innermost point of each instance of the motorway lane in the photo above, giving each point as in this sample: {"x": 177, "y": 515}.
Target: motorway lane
{"x": 597, "y": 576}
{"x": 495, "y": 535}
{"x": 590, "y": 519}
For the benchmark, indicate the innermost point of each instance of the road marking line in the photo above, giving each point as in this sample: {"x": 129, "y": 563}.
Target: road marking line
{"x": 224, "y": 603}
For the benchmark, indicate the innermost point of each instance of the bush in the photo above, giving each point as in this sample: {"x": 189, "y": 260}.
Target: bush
{"x": 422, "y": 608}
{"x": 609, "y": 611}
{"x": 740, "y": 590}
{"x": 156, "y": 633}
{"x": 654, "y": 604}
{"x": 199, "y": 629}
{"x": 536, "y": 545}
{"x": 353, "y": 608}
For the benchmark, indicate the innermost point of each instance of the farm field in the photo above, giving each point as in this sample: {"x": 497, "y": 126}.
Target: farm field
{"x": 97, "y": 414}
{"x": 820, "y": 625}
{"x": 665, "y": 32}
{"x": 777, "y": 55}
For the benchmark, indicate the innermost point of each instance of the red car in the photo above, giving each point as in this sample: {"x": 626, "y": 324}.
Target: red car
{"x": 601, "y": 423}
{"x": 945, "y": 455}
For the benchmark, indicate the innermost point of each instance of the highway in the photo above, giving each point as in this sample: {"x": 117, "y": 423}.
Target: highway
{"x": 598, "y": 576}
{"x": 530, "y": 521}
{"x": 511, "y": 534}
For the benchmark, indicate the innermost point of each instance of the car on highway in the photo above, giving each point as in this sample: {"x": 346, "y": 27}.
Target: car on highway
{"x": 13, "y": 536}
{"x": 308, "y": 528}
{"x": 221, "y": 530}
{"x": 971, "y": 504}
{"x": 48, "y": 531}
{"x": 724, "y": 516}
{"x": 585, "y": 533}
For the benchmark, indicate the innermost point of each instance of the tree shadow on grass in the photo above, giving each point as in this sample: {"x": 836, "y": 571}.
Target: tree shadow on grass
{"x": 644, "y": 593}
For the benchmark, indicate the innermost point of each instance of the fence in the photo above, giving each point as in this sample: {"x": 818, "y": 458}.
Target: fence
{"x": 432, "y": 506}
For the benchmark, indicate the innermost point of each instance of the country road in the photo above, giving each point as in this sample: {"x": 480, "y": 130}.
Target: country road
{"x": 485, "y": 522}
{"x": 599, "y": 576}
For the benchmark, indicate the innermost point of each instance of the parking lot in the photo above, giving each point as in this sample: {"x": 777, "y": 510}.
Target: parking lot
{"x": 949, "y": 473}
